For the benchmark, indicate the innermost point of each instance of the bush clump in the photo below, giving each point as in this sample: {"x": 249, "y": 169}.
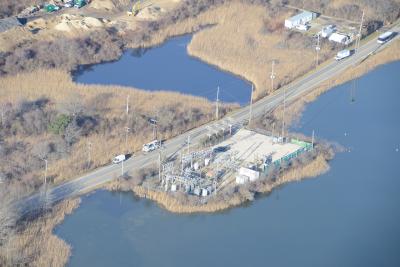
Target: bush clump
{"x": 59, "y": 125}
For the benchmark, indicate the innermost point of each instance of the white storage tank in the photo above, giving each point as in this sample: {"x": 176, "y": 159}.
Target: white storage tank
{"x": 241, "y": 179}
{"x": 196, "y": 166}
{"x": 204, "y": 192}
{"x": 207, "y": 161}
{"x": 173, "y": 187}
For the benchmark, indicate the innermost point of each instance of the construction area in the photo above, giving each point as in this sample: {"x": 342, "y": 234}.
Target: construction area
{"x": 242, "y": 158}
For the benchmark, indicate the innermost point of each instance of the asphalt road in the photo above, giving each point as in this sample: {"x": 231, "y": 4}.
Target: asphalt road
{"x": 105, "y": 174}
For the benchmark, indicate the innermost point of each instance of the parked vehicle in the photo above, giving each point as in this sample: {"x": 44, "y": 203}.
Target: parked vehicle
{"x": 342, "y": 54}
{"x": 69, "y": 3}
{"x": 153, "y": 145}
{"x": 119, "y": 159}
{"x": 384, "y": 37}
{"x": 51, "y": 8}
{"x": 303, "y": 27}
{"x": 79, "y": 3}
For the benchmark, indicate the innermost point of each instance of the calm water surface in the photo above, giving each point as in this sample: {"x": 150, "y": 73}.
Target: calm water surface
{"x": 168, "y": 67}
{"x": 349, "y": 216}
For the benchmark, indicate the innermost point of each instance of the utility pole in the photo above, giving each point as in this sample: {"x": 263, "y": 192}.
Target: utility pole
{"x": 127, "y": 104}
{"x": 126, "y": 137}
{"x": 251, "y": 104}
{"x": 188, "y": 144}
{"x": 358, "y": 40}
{"x": 217, "y": 105}
{"x": 122, "y": 168}
{"x": 45, "y": 171}
{"x": 317, "y": 49}
{"x": 89, "y": 153}
{"x": 272, "y": 75}
{"x": 357, "y": 45}
{"x": 283, "y": 112}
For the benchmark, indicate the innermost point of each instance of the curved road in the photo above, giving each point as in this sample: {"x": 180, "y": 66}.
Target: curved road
{"x": 297, "y": 88}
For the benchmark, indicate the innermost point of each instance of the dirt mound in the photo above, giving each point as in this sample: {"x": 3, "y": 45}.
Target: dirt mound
{"x": 103, "y": 4}
{"x": 71, "y": 22}
{"x": 150, "y": 13}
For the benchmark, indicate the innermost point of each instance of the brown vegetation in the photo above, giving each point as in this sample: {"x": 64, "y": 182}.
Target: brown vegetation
{"x": 59, "y": 126}
{"x": 256, "y": 41}
{"x": 34, "y": 243}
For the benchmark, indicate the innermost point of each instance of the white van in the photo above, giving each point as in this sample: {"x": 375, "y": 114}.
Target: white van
{"x": 342, "y": 54}
{"x": 119, "y": 159}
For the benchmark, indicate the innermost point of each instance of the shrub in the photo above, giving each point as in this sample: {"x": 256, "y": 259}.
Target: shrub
{"x": 59, "y": 125}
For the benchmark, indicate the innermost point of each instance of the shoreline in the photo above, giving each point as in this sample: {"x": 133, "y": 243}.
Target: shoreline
{"x": 319, "y": 165}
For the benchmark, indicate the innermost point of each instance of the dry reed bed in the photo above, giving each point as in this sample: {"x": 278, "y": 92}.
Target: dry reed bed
{"x": 35, "y": 244}
{"x": 240, "y": 44}
{"x": 58, "y": 86}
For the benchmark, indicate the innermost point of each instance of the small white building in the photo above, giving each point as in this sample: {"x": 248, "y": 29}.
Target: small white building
{"x": 339, "y": 38}
{"x": 246, "y": 175}
{"x": 327, "y": 31}
{"x": 299, "y": 19}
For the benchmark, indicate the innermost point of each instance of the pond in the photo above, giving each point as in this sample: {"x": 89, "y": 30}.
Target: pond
{"x": 168, "y": 67}
{"x": 349, "y": 216}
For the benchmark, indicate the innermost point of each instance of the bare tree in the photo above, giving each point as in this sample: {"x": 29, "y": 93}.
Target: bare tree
{"x": 73, "y": 105}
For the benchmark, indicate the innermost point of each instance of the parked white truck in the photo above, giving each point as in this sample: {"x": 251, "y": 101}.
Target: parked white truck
{"x": 342, "y": 54}
{"x": 119, "y": 159}
{"x": 153, "y": 145}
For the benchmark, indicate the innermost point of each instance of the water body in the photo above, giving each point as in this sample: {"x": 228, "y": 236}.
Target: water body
{"x": 349, "y": 216}
{"x": 168, "y": 67}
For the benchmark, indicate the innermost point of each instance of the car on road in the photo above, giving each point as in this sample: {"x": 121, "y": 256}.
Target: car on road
{"x": 384, "y": 37}
{"x": 119, "y": 159}
{"x": 342, "y": 54}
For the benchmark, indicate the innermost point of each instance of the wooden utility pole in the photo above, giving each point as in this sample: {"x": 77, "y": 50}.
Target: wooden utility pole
{"x": 272, "y": 75}
{"x": 358, "y": 40}
{"x": 127, "y": 104}
{"x": 317, "y": 49}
